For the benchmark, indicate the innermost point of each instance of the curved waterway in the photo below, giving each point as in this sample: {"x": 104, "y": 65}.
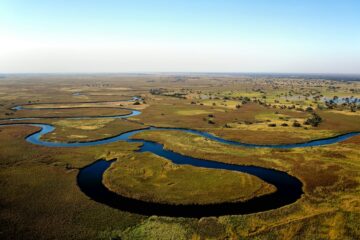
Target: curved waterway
{"x": 289, "y": 188}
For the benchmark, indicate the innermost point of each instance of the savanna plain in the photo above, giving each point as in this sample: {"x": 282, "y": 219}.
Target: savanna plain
{"x": 40, "y": 197}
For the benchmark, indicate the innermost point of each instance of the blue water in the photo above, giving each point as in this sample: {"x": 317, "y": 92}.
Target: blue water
{"x": 289, "y": 188}
{"x": 45, "y": 128}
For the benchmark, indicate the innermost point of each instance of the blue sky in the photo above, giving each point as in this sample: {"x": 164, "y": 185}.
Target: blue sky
{"x": 320, "y": 36}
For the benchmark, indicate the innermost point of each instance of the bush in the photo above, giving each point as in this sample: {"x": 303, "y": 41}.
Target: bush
{"x": 296, "y": 124}
{"x": 309, "y": 109}
{"x": 314, "y": 120}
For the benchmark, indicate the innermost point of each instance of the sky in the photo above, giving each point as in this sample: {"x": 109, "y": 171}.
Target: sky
{"x": 86, "y": 36}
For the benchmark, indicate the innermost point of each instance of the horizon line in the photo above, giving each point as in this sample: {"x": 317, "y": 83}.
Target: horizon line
{"x": 176, "y": 72}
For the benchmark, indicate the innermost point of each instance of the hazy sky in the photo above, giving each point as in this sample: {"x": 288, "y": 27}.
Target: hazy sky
{"x": 321, "y": 36}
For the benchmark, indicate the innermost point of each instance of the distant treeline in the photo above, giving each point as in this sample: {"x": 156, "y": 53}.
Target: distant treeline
{"x": 335, "y": 77}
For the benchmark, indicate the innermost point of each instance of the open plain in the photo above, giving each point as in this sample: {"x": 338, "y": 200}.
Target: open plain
{"x": 41, "y": 198}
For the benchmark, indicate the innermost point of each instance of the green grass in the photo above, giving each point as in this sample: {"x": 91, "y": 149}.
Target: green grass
{"x": 154, "y": 179}
{"x": 40, "y": 198}
{"x": 89, "y": 129}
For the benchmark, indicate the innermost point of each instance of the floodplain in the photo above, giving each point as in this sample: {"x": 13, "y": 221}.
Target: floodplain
{"x": 41, "y": 198}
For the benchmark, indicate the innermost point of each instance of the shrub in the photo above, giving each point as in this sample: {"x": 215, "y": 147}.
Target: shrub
{"x": 296, "y": 124}
{"x": 309, "y": 109}
{"x": 314, "y": 120}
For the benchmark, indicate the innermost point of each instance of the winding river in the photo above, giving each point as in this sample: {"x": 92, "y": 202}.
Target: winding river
{"x": 289, "y": 188}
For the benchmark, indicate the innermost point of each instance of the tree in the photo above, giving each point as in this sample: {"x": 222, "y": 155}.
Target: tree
{"x": 314, "y": 120}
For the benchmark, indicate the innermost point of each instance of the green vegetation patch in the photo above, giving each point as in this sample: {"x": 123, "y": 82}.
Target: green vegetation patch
{"x": 151, "y": 178}
{"x": 87, "y": 124}
{"x": 192, "y": 112}
{"x": 88, "y": 129}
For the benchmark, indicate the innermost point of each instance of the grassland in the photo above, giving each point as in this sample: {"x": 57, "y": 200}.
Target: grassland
{"x": 89, "y": 129}
{"x": 330, "y": 177}
{"x": 248, "y": 124}
{"x": 40, "y": 198}
{"x": 151, "y": 178}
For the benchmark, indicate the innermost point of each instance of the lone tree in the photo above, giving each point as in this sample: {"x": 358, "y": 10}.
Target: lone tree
{"x": 314, "y": 120}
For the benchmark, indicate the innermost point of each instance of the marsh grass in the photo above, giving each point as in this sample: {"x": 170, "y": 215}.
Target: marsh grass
{"x": 147, "y": 177}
